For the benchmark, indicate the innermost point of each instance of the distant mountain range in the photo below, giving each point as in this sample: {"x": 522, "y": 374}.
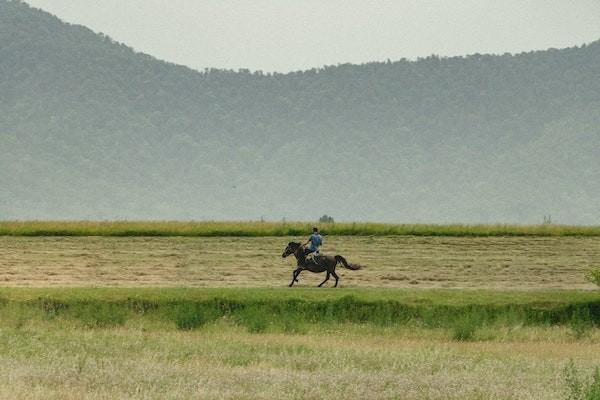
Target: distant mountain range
{"x": 90, "y": 129}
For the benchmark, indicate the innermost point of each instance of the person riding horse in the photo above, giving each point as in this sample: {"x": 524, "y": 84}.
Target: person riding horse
{"x": 320, "y": 263}
{"x": 314, "y": 242}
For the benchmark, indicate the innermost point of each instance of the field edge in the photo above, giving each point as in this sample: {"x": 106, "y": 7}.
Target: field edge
{"x": 279, "y": 229}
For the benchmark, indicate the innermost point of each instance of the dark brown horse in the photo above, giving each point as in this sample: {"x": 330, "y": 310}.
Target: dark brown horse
{"x": 318, "y": 263}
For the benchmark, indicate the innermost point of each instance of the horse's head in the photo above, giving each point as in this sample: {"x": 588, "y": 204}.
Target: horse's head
{"x": 290, "y": 249}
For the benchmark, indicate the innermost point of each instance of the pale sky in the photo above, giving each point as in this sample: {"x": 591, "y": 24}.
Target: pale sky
{"x": 286, "y": 35}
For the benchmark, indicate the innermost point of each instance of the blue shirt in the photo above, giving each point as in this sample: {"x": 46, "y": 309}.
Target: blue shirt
{"x": 315, "y": 241}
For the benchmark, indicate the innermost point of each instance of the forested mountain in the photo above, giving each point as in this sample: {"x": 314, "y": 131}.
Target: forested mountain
{"x": 90, "y": 129}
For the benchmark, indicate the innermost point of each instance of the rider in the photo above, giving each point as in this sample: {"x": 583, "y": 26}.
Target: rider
{"x": 314, "y": 242}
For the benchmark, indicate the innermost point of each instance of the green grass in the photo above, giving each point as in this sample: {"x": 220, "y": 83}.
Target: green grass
{"x": 142, "y": 360}
{"x": 581, "y": 389}
{"x": 251, "y": 229}
{"x": 463, "y": 312}
{"x": 416, "y": 297}
{"x": 286, "y": 343}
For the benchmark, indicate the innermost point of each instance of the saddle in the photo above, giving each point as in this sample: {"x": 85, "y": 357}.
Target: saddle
{"x": 312, "y": 258}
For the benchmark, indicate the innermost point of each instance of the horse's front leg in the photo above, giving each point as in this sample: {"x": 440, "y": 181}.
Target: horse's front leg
{"x": 295, "y": 276}
{"x": 300, "y": 266}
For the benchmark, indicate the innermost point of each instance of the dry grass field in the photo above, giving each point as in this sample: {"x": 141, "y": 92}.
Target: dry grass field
{"x": 50, "y": 351}
{"x": 392, "y": 262}
{"x": 44, "y": 361}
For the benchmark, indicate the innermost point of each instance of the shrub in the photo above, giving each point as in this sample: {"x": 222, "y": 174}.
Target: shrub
{"x": 593, "y": 276}
{"x": 465, "y": 326}
{"x": 188, "y": 316}
{"x": 99, "y": 315}
{"x": 326, "y": 219}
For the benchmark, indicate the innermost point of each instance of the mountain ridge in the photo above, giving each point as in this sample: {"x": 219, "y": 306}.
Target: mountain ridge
{"x": 94, "y": 130}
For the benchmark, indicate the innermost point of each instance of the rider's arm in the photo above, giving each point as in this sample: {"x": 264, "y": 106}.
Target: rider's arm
{"x": 308, "y": 241}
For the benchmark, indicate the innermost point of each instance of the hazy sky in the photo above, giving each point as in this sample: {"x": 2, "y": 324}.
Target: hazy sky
{"x": 284, "y": 35}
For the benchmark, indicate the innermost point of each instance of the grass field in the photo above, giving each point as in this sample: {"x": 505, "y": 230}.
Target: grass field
{"x": 430, "y": 317}
{"x": 277, "y": 343}
{"x": 259, "y": 229}
{"x": 43, "y": 361}
{"x": 391, "y": 262}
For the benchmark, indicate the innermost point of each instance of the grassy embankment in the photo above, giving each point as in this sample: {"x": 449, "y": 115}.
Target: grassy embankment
{"x": 461, "y": 313}
{"x": 307, "y": 343}
{"x": 208, "y": 229}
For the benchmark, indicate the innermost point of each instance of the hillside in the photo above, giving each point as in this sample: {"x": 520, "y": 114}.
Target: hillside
{"x": 90, "y": 129}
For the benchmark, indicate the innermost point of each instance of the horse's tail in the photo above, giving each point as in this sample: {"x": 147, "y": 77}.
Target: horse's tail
{"x": 342, "y": 260}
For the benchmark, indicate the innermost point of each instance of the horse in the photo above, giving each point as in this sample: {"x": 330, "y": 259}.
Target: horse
{"x": 319, "y": 263}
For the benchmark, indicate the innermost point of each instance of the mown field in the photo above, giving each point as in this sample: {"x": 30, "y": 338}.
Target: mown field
{"x": 391, "y": 261}
{"x": 430, "y": 317}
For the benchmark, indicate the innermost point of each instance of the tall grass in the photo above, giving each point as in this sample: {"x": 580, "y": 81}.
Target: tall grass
{"x": 250, "y": 229}
{"x": 578, "y": 388}
{"x": 263, "y": 310}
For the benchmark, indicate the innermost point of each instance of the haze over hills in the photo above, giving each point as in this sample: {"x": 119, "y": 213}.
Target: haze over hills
{"x": 89, "y": 129}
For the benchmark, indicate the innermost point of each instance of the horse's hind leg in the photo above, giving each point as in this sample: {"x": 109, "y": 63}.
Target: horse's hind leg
{"x": 326, "y": 279}
{"x": 337, "y": 278}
